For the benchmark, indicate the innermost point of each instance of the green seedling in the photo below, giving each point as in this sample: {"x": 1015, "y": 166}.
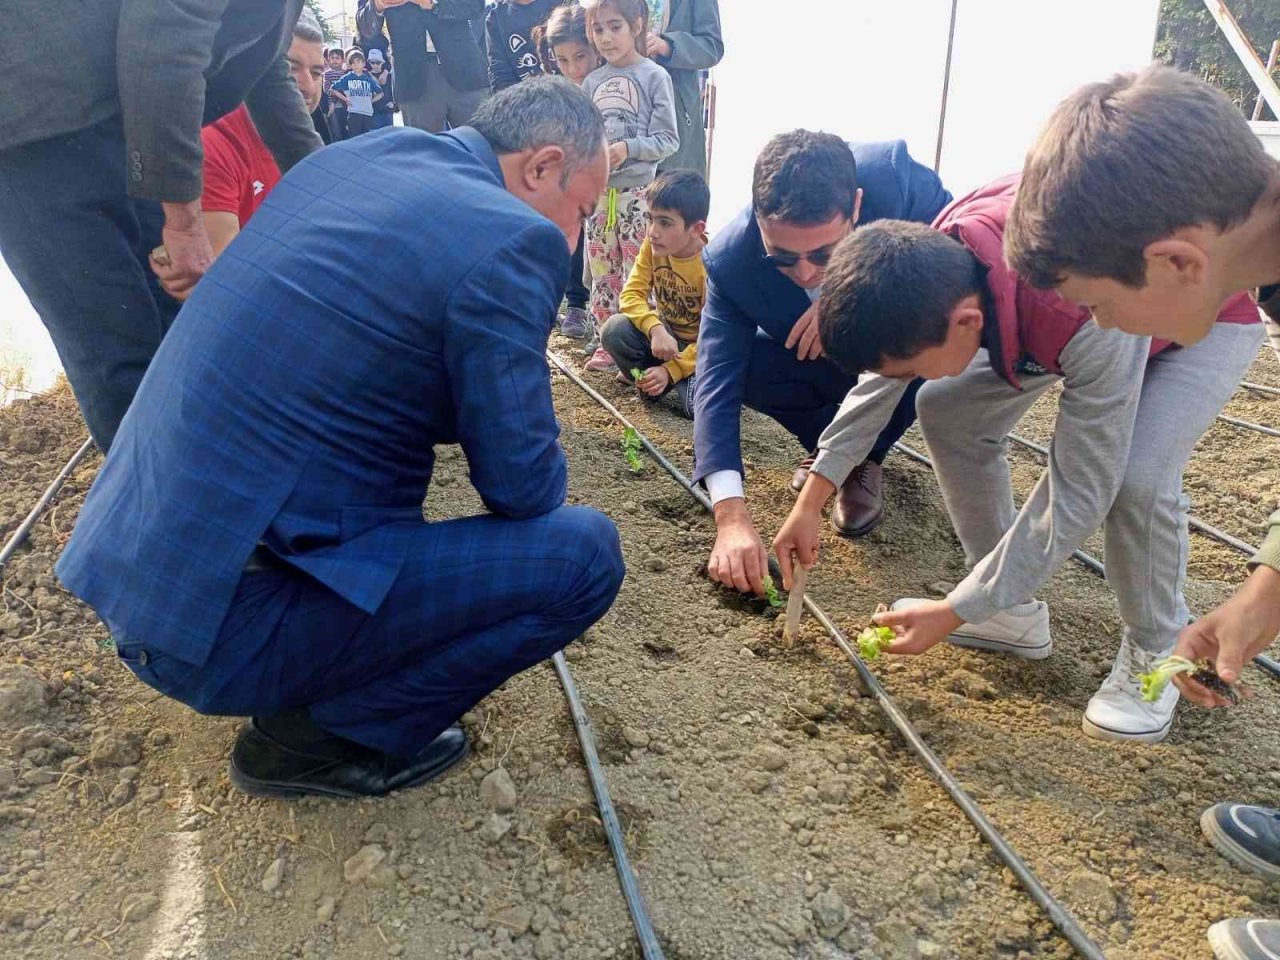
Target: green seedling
{"x": 1202, "y": 672}
{"x": 631, "y": 447}
{"x": 771, "y": 592}
{"x": 637, "y": 374}
{"x": 873, "y": 640}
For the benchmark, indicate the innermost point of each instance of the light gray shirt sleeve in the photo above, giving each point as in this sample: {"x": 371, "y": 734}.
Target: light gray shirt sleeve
{"x": 1102, "y": 372}
{"x": 662, "y": 137}
{"x": 863, "y": 414}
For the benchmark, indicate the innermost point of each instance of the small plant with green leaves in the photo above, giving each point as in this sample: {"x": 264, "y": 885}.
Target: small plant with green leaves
{"x": 1201, "y": 671}
{"x": 873, "y": 640}
{"x": 637, "y": 374}
{"x": 771, "y": 592}
{"x": 631, "y": 447}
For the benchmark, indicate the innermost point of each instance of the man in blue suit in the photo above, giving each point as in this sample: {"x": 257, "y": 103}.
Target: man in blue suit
{"x": 758, "y": 343}
{"x": 255, "y": 540}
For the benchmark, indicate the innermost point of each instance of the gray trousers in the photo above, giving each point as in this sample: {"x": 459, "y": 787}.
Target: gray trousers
{"x": 1139, "y": 501}
{"x": 439, "y": 102}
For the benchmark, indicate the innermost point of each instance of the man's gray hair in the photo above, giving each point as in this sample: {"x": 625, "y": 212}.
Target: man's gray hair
{"x": 308, "y": 28}
{"x": 540, "y": 112}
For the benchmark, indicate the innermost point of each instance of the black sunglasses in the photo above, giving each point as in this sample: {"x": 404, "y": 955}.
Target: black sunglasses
{"x": 819, "y": 258}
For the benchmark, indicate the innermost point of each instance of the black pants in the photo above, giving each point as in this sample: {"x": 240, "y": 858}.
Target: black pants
{"x": 78, "y": 246}
{"x": 628, "y": 346}
{"x": 358, "y": 123}
{"x": 576, "y": 293}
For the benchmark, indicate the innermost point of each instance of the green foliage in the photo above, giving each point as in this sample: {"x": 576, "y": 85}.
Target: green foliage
{"x": 325, "y": 26}
{"x": 637, "y": 374}
{"x": 771, "y": 592}
{"x": 631, "y": 447}
{"x": 874, "y": 639}
{"x": 1189, "y": 39}
{"x": 1162, "y": 672}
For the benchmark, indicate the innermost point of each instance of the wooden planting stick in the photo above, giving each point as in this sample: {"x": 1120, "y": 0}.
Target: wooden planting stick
{"x": 795, "y": 605}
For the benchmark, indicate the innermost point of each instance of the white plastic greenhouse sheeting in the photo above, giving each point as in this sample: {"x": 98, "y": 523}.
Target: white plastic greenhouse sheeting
{"x": 871, "y": 71}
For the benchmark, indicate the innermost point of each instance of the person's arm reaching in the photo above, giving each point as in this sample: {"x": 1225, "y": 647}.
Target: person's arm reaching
{"x": 1233, "y": 634}
{"x": 281, "y": 117}
{"x": 498, "y": 320}
{"x": 1103, "y": 371}
{"x": 725, "y": 339}
{"x": 865, "y": 411}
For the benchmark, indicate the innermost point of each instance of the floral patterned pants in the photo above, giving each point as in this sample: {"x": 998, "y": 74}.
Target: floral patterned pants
{"x": 614, "y": 235}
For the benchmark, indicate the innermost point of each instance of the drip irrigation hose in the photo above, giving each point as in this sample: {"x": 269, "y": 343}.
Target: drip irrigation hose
{"x": 649, "y": 946}
{"x": 1260, "y": 388}
{"x": 1249, "y": 425}
{"x": 1261, "y": 661}
{"x": 1057, "y": 913}
{"x": 11, "y": 545}
{"x": 1235, "y": 543}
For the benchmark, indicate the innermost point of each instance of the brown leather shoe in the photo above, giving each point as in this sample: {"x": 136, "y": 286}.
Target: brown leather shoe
{"x": 859, "y": 505}
{"x": 802, "y": 472}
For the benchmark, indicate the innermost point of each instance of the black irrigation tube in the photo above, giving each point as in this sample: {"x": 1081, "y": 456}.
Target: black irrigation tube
{"x": 11, "y": 545}
{"x": 649, "y": 946}
{"x": 1261, "y": 661}
{"x": 1057, "y": 913}
{"x": 1235, "y": 543}
{"x": 1260, "y": 388}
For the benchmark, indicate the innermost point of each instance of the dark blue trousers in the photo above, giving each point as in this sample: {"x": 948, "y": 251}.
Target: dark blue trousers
{"x": 478, "y": 600}
{"x": 78, "y": 246}
{"x": 804, "y": 395}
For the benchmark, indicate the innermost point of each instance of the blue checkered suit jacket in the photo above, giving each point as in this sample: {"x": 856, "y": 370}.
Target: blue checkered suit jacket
{"x": 388, "y": 296}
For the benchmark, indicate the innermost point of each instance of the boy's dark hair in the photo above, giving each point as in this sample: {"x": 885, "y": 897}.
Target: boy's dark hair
{"x": 355, "y": 55}
{"x": 683, "y": 191}
{"x": 889, "y": 291}
{"x": 1124, "y": 163}
{"x": 805, "y": 178}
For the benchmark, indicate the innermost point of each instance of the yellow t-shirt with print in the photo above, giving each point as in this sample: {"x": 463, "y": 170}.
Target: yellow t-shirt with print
{"x": 668, "y": 291}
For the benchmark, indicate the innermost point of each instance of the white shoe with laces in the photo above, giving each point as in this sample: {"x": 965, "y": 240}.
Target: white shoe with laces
{"x": 1118, "y": 712}
{"x": 1021, "y": 631}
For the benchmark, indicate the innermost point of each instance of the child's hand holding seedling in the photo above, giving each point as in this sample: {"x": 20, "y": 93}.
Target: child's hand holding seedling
{"x": 662, "y": 344}
{"x": 920, "y": 627}
{"x": 654, "y": 381}
{"x": 1199, "y": 671}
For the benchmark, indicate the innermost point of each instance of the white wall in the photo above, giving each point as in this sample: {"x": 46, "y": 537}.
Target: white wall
{"x": 1269, "y": 133}
{"x": 873, "y": 71}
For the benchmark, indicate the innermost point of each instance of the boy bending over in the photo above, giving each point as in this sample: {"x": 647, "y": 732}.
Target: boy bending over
{"x": 909, "y": 301}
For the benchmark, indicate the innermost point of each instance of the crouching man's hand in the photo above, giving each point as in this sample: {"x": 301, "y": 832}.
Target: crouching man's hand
{"x": 738, "y": 559}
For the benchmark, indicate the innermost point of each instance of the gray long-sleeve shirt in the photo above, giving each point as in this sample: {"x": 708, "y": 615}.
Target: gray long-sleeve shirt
{"x": 638, "y": 106}
{"x": 1102, "y": 372}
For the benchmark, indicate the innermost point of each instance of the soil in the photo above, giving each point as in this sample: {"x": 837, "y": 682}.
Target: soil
{"x": 769, "y": 810}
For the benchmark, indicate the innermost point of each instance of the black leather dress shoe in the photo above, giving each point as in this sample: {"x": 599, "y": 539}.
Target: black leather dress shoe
{"x": 264, "y": 765}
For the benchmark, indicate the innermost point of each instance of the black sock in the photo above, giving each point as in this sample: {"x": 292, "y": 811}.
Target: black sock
{"x": 295, "y": 728}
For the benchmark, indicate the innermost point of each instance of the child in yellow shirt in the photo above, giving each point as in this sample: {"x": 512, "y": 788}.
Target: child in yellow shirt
{"x": 657, "y": 331}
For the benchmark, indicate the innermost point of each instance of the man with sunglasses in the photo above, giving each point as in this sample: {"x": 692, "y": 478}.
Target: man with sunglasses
{"x": 758, "y": 342}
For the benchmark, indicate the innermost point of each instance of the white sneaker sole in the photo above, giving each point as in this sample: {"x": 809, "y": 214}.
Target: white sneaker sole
{"x": 1099, "y": 732}
{"x": 1224, "y": 948}
{"x": 1229, "y": 848}
{"x": 1007, "y": 647}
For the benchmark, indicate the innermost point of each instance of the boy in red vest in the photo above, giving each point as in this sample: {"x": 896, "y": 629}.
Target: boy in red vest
{"x": 907, "y": 301}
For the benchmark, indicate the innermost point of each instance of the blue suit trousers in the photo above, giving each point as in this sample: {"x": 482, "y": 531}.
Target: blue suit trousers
{"x": 478, "y": 600}
{"x": 804, "y": 395}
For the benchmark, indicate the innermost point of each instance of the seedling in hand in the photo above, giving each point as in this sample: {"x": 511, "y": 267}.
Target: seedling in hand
{"x": 771, "y": 592}
{"x": 1201, "y": 671}
{"x": 637, "y": 374}
{"x": 873, "y": 640}
{"x": 631, "y": 447}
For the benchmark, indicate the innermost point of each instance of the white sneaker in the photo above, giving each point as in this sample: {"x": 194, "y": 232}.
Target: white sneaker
{"x": 1021, "y": 631}
{"x": 1118, "y": 712}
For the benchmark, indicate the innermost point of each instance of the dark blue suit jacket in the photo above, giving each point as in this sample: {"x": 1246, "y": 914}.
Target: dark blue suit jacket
{"x": 389, "y": 295}
{"x": 745, "y": 293}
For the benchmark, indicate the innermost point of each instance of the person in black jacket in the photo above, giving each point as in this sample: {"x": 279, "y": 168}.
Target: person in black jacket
{"x": 686, "y": 40}
{"x": 508, "y": 30}
{"x": 105, "y": 165}
{"x": 441, "y": 72}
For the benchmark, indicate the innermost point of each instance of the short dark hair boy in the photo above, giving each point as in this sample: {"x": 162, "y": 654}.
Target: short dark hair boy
{"x": 805, "y": 177}
{"x": 681, "y": 191}
{"x": 1148, "y": 198}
